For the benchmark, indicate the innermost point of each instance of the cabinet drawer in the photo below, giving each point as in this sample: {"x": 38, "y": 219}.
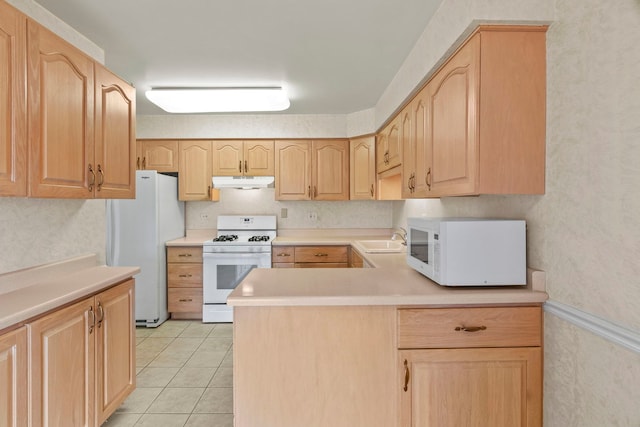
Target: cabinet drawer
{"x": 496, "y": 327}
{"x": 185, "y": 300}
{"x": 321, "y": 254}
{"x": 184, "y": 275}
{"x": 282, "y": 254}
{"x": 184, "y": 254}
{"x": 321, "y": 265}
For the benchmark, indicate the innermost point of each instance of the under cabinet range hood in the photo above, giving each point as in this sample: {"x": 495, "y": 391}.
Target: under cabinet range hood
{"x": 245, "y": 182}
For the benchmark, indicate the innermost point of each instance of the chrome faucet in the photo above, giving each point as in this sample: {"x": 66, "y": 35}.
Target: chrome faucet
{"x": 402, "y": 234}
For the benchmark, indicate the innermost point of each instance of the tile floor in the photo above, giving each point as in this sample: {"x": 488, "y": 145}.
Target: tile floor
{"x": 184, "y": 377}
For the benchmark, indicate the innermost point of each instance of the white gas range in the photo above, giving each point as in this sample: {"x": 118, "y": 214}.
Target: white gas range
{"x": 243, "y": 242}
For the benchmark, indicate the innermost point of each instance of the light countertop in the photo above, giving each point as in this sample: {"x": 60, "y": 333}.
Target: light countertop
{"x": 31, "y": 292}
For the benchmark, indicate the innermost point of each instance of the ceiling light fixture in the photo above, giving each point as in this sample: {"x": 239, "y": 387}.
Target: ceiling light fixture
{"x": 219, "y": 100}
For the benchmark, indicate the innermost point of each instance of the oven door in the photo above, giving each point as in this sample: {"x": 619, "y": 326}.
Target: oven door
{"x": 222, "y": 272}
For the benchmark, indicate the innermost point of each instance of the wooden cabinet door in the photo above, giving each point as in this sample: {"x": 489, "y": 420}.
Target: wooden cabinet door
{"x": 62, "y": 367}
{"x": 258, "y": 158}
{"x": 115, "y": 142}
{"x": 482, "y": 387}
{"x": 293, "y": 170}
{"x": 14, "y": 378}
{"x": 158, "y": 155}
{"x": 394, "y": 145}
{"x": 13, "y": 107}
{"x": 362, "y": 170}
{"x": 115, "y": 348}
{"x": 381, "y": 151}
{"x": 330, "y": 170}
{"x": 60, "y": 82}
{"x": 422, "y": 151}
{"x": 194, "y": 178}
{"x": 408, "y": 141}
{"x": 227, "y": 158}
{"x": 453, "y": 98}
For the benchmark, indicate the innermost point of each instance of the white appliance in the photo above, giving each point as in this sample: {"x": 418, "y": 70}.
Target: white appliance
{"x": 468, "y": 251}
{"x": 137, "y": 230}
{"x": 242, "y": 244}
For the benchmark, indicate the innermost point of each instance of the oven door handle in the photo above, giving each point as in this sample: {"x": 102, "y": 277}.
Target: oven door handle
{"x": 227, "y": 255}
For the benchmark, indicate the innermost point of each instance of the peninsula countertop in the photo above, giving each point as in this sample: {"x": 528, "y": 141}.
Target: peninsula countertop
{"x": 29, "y": 293}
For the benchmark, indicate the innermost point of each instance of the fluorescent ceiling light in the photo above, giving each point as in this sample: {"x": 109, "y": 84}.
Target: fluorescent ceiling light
{"x": 219, "y": 100}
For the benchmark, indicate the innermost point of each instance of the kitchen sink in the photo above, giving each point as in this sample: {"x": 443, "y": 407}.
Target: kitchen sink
{"x": 381, "y": 246}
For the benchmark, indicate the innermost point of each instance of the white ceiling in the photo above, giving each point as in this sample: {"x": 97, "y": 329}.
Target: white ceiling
{"x": 332, "y": 56}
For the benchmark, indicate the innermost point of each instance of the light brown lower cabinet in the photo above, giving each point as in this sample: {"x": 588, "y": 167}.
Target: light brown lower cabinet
{"x": 184, "y": 282}
{"x": 14, "y": 378}
{"x": 82, "y": 359}
{"x": 310, "y": 256}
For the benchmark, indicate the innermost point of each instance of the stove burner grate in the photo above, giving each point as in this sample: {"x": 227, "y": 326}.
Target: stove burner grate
{"x": 226, "y": 238}
{"x": 259, "y": 238}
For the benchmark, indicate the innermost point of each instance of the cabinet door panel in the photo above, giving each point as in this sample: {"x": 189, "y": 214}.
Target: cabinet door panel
{"x": 293, "y": 170}
{"x": 115, "y": 136}
{"x": 161, "y": 156}
{"x": 471, "y": 387}
{"x": 362, "y": 171}
{"x": 62, "y": 367}
{"x": 330, "y": 170}
{"x": 61, "y": 125}
{"x": 115, "y": 370}
{"x": 259, "y": 158}
{"x": 13, "y": 109}
{"x": 227, "y": 158}
{"x": 13, "y": 379}
{"x": 194, "y": 179}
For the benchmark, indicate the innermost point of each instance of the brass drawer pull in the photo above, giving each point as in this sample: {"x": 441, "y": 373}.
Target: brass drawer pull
{"x": 185, "y": 275}
{"x": 100, "y": 315}
{"x": 321, "y": 254}
{"x": 407, "y": 375}
{"x": 184, "y": 255}
{"x": 284, "y": 254}
{"x": 470, "y": 328}
{"x": 185, "y": 299}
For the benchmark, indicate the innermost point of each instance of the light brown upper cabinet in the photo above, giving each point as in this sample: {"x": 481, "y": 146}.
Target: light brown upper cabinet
{"x": 13, "y": 107}
{"x": 362, "y": 170}
{"x": 416, "y": 161}
{"x": 389, "y": 146}
{"x": 486, "y": 116}
{"x": 77, "y": 149}
{"x": 194, "y": 177}
{"x": 158, "y": 155}
{"x": 115, "y": 141}
{"x": 243, "y": 158}
{"x": 312, "y": 170}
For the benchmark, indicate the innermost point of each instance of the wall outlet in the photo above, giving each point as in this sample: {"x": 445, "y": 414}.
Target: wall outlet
{"x": 312, "y": 216}
{"x": 283, "y": 213}
{"x": 204, "y": 216}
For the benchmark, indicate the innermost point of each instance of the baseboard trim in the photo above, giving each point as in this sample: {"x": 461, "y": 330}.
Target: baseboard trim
{"x": 608, "y": 330}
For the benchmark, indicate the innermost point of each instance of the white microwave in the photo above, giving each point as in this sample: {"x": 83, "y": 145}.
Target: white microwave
{"x": 468, "y": 251}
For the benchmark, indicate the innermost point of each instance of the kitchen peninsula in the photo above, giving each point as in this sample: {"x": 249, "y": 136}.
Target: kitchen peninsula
{"x": 383, "y": 346}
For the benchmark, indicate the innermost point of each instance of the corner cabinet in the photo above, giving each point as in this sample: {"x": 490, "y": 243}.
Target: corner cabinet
{"x": 13, "y": 103}
{"x": 194, "y": 176}
{"x": 81, "y": 122}
{"x": 312, "y": 170}
{"x": 243, "y": 158}
{"x": 389, "y": 147}
{"x": 470, "y": 366}
{"x": 82, "y": 359}
{"x": 362, "y": 170}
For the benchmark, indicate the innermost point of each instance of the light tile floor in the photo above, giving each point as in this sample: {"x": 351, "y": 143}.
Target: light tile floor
{"x": 184, "y": 377}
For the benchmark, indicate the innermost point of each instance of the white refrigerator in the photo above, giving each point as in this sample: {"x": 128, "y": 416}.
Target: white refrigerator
{"x": 137, "y": 230}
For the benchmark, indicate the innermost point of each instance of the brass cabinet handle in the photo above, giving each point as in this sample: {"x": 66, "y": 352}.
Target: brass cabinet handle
{"x": 407, "y": 375}
{"x": 183, "y": 255}
{"x": 240, "y": 166}
{"x": 315, "y": 191}
{"x": 321, "y": 254}
{"x": 246, "y": 168}
{"x": 470, "y": 328}
{"x": 100, "y": 314}
{"x": 208, "y": 191}
{"x": 144, "y": 163}
{"x": 284, "y": 254}
{"x": 92, "y": 319}
{"x": 100, "y": 178}
{"x": 138, "y": 163}
{"x": 185, "y": 275}
{"x": 372, "y": 190}
{"x": 185, "y": 299}
{"x": 92, "y": 182}
{"x": 428, "y": 179}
